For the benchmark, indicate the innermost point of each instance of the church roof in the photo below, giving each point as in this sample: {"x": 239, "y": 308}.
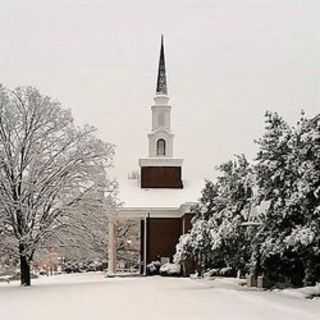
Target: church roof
{"x": 135, "y": 197}
{"x": 162, "y": 76}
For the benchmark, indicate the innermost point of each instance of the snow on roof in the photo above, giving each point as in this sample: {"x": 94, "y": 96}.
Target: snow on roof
{"x": 132, "y": 195}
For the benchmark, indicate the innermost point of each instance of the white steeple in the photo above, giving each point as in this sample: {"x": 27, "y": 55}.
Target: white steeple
{"x": 160, "y": 169}
{"x": 161, "y": 138}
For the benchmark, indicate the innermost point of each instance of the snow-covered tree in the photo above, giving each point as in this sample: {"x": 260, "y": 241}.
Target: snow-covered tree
{"x": 275, "y": 176}
{"x": 196, "y": 245}
{"x": 228, "y": 236}
{"x": 87, "y": 240}
{"x": 217, "y": 237}
{"x": 8, "y": 244}
{"x": 50, "y": 170}
{"x": 282, "y": 191}
{"x": 128, "y": 242}
{"x": 304, "y": 201}
{"x": 288, "y": 178}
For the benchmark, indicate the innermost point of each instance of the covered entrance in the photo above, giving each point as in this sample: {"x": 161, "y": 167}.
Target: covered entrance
{"x": 160, "y": 229}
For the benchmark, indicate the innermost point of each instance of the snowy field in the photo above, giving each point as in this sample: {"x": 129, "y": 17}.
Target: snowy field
{"x": 91, "y": 296}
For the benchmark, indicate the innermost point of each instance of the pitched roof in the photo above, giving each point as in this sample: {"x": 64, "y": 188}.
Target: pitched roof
{"x": 132, "y": 195}
{"x": 162, "y": 76}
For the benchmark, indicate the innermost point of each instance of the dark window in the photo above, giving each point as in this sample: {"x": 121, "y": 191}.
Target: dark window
{"x": 161, "y": 147}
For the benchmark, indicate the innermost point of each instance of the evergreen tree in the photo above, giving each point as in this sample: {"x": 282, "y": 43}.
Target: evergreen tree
{"x": 228, "y": 236}
{"x": 217, "y": 237}
{"x": 287, "y": 175}
{"x": 304, "y": 201}
{"x": 282, "y": 189}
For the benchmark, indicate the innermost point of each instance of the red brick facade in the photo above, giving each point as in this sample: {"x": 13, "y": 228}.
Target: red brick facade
{"x": 161, "y": 177}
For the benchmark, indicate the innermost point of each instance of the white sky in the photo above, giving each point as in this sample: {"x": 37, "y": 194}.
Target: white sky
{"x": 227, "y": 61}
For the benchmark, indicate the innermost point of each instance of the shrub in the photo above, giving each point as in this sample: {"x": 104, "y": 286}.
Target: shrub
{"x": 170, "y": 269}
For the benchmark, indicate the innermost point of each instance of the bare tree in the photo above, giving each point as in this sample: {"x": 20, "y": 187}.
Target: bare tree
{"x": 50, "y": 169}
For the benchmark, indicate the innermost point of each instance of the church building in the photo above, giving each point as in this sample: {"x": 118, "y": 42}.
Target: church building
{"x": 159, "y": 196}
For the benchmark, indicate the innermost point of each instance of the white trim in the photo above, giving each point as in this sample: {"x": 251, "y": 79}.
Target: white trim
{"x": 161, "y": 99}
{"x": 161, "y": 131}
{"x": 162, "y": 107}
{"x": 154, "y": 212}
{"x": 160, "y": 162}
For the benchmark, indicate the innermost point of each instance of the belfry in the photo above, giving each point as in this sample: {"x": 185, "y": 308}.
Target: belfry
{"x": 158, "y": 197}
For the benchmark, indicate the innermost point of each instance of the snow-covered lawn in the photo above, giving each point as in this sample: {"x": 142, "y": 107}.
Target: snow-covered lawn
{"x": 306, "y": 292}
{"x": 92, "y": 297}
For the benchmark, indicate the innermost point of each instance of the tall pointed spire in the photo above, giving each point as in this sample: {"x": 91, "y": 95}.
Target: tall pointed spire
{"x": 162, "y": 77}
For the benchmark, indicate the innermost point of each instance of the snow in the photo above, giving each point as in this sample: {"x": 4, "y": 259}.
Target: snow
{"x": 170, "y": 269}
{"x": 133, "y": 196}
{"x": 306, "y": 292}
{"x": 92, "y": 296}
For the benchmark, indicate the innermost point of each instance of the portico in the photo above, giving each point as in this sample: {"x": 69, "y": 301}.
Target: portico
{"x": 160, "y": 229}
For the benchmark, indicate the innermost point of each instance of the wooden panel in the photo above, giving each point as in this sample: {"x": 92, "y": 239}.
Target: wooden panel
{"x": 161, "y": 177}
{"x": 163, "y": 236}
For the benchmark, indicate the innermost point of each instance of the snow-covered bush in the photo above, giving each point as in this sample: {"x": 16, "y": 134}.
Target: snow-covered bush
{"x": 183, "y": 249}
{"x": 226, "y": 272}
{"x": 170, "y": 269}
{"x": 153, "y": 268}
{"x": 211, "y": 273}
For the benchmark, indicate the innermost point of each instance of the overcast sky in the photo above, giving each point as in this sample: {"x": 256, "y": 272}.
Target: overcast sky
{"x": 228, "y": 61}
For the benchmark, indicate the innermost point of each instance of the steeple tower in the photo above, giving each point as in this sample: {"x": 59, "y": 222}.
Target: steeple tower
{"x": 162, "y": 77}
{"x": 160, "y": 169}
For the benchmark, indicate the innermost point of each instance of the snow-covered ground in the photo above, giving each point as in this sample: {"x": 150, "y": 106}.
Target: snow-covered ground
{"x": 92, "y": 297}
{"x": 306, "y": 292}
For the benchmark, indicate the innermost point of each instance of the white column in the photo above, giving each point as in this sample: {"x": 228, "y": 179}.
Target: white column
{"x": 112, "y": 247}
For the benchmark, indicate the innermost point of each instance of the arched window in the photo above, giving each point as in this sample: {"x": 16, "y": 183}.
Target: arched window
{"x": 161, "y": 147}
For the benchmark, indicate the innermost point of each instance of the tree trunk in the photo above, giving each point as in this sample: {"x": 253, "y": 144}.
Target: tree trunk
{"x": 25, "y": 271}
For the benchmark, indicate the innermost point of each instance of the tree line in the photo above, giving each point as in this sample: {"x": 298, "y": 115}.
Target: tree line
{"x": 263, "y": 217}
